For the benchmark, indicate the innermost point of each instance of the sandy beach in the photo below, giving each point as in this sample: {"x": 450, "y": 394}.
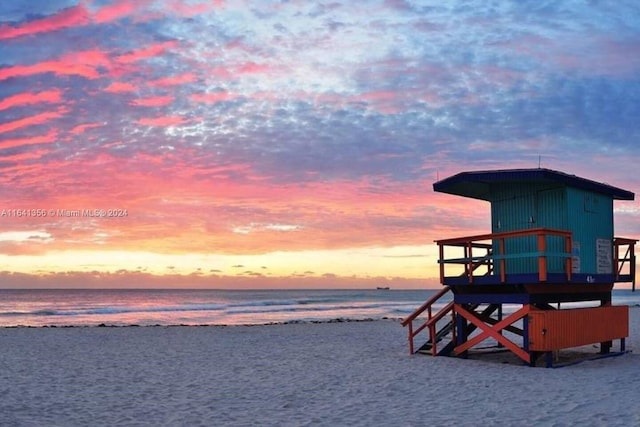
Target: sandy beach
{"x": 311, "y": 374}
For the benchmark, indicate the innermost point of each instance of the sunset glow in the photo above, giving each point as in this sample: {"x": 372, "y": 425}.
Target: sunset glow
{"x": 265, "y": 144}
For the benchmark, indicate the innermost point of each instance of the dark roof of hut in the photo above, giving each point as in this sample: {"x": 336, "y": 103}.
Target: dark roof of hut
{"x": 477, "y": 185}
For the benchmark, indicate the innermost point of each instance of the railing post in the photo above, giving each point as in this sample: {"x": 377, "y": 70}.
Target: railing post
{"x": 411, "y": 337}
{"x": 542, "y": 259}
{"x": 453, "y": 326}
{"x": 503, "y": 262}
{"x": 568, "y": 262}
{"x": 616, "y": 258}
{"x": 470, "y": 261}
{"x": 441, "y": 253}
{"x": 434, "y": 341}
{"x": 633, "y": 267}
{"x": 491, "y": 259}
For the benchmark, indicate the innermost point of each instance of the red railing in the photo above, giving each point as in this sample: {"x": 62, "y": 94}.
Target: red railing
{"x": 471, "y": 262}
{"x": 430, "y": 322}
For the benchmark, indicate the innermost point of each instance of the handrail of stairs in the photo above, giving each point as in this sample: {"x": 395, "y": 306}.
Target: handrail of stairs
{"x": 431, "y": 324}
{"x": 431, "y": 320}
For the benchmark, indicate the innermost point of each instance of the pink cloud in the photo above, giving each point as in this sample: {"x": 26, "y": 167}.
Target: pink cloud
{"x": 20, "y": 142}
{"x": 174, "y": 80}
{"x": 598, "y": 55}
{"x": 150, "y": 159}
{"x": 379, "y": 96}
{"x": 116, "y": 11}
{"x": 252, "y": 68}
{"x": 161, "y": 121}
{"x": 179, "y": 7}
{"x": 119, "y": 87}
{"x": 219, "y": 73}
{"x": 147, "y": 52}
{"x": 30, "y": 155}
{"x": 49, "y": 96}
{"x": 387, "y": 102}
{"x": 38, "y": 119}
{"x": 156, "y": 101}
{"x": 93, "y": 57}
{"x": 83, "y": 63}
{"x": 212, "y": 98}
{"x": 77, "y": 16}
{"x": 56, "y": 67}
{"x": 74, "y": 16}
{"x": 77, "y": 130}
{"x": 620, "y": 58}
{"x": 70, "y": 17}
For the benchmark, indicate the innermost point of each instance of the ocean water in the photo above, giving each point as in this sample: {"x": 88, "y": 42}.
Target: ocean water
{"x": 93, "y": 307}
{"x": 112, "y": 307}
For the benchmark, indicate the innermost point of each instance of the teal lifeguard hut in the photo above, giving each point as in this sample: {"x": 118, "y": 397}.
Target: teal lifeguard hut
{"x": 551, "y": 242}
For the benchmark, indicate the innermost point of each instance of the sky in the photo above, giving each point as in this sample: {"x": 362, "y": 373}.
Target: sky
{"x": 230, "y": 143}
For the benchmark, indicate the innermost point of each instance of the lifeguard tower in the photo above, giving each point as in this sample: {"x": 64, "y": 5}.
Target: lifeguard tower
{"x": 551, "y": 259}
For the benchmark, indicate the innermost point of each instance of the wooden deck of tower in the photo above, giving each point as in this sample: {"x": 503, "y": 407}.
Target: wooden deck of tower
{"x": 551, "y": 243}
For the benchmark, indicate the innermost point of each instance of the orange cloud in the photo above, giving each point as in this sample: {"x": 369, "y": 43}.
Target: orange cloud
{"x": 49, "y": 96}
{"x": 70, "y": 17}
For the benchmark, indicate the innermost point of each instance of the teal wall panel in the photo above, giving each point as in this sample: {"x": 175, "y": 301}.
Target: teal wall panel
{"x": 513, "y": 208}
{"x": 588, "y": 215}
{"x": 591, "y": 222}
{"x": 552, "y": 213}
